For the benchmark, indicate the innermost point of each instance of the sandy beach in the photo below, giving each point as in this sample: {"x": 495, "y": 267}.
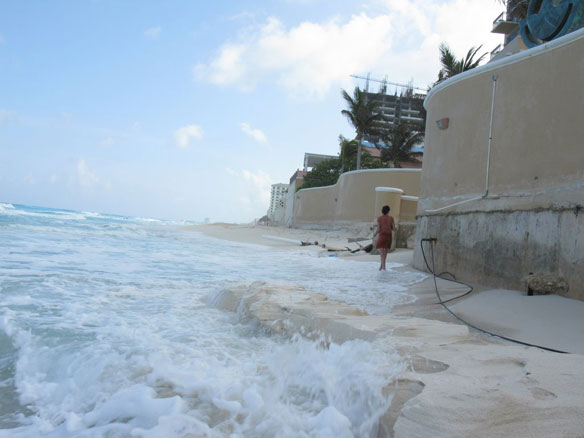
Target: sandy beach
{"x": 458, "y": 382}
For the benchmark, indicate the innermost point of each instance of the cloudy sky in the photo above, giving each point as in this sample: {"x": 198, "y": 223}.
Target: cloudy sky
{"x": 191, "y": 109}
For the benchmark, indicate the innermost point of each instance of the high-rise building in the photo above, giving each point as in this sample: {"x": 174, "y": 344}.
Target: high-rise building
{"x": 277, "y": 196}
{"x": 404, "y": 108}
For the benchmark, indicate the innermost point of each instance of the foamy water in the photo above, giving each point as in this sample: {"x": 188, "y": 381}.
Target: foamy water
{"x": 105, "y": 331}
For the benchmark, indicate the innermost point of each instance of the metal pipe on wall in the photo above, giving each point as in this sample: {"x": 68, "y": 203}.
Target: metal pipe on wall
{"x": 486, "y": 193}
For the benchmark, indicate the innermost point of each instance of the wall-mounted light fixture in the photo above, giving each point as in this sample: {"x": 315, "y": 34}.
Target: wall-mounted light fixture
{"x": 443, "y": 123}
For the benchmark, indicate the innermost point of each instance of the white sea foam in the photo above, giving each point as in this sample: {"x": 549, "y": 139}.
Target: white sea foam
{"x": 91, "y": 214}
{"x": 56, "y": 215}
{"x": 105, "y": 331}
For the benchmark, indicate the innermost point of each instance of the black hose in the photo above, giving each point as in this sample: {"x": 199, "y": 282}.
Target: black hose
{"x": 462, "y": 320}
{"x": 470, "y": 288}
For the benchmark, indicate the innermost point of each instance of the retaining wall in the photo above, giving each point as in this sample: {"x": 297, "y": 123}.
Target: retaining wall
{"x": 352, "y": 199}
{"x": 503, "y": 184}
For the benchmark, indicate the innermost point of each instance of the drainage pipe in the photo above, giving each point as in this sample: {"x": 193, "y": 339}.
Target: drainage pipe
{"x": 494, "y": 77}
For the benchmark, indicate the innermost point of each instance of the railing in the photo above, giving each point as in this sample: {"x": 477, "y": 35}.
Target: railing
{"x": 496, "y": 50}
{"x": 501, "y": 17}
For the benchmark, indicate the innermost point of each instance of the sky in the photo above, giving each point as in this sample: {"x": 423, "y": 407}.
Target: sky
{"x": 190, "y": 110}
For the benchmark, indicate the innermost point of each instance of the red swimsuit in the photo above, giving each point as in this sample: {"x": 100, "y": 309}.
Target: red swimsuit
{"x": 385, "y": 224}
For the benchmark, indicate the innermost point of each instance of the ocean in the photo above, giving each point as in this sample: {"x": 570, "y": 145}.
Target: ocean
{"x": 107, "y": 329}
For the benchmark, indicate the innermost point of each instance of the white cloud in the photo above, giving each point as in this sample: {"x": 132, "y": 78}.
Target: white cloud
{"x": 153, "y": 32}
{"x": 228, "y": 68}
{"x": 424, "y": 24}
{"x": 257, "y": 134}
{"x": 2, "y": 40}
{"x": 260, "y": 179}
{"x": 29, "y": 179}
{"x": 254, "y": 189}
{"x": 306, "y": 60}
{"x": 53, "y": 178}
{"x": 87, "y": 178}
{"x": 185, "y": 135}
{"x": 400, "y": 40}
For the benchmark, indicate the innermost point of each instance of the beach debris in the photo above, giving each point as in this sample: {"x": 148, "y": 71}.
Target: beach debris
{"x": 286, "y": 240}
{"x": 357, "y": 239}
{"x": 541, "y": 284}
{"x": 366, "y": 248}
{"x": 322, "y": 245}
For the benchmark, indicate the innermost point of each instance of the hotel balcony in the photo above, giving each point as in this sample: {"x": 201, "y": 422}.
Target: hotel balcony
{"x": 504, "y": 25}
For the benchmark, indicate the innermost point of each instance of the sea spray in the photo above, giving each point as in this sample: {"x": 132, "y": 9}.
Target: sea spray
{"x": 105, "y": 331}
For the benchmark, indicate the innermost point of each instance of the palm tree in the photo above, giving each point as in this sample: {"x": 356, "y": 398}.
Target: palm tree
{"x": 400, "y": 139}
{"x": 361, "y": 114}
{"x": 348, "y": 148}
{"x": 452, "y": 66}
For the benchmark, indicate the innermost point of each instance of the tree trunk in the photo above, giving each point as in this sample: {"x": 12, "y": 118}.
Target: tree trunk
{"x": 358, "y": 152}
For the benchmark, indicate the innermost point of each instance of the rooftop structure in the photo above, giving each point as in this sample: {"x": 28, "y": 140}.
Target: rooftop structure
{"x": 311, "y": 160}
{"x": 298, "y": 176}
{"x": 529, "y": 24}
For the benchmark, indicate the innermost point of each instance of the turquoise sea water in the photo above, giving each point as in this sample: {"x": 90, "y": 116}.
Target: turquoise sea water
{"x": 106, "y": 331}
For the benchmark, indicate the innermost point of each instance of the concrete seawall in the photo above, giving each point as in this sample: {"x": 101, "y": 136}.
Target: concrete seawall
{"x": 352, "y": 199}
{"x": 503, "y": 181}
{"x": 502, "y": 248}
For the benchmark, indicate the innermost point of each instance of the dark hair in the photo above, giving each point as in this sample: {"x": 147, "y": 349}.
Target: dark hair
{"x": 385, "y": 209}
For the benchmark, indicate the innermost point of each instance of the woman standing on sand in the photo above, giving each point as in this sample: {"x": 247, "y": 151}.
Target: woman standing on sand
{"x": 385, "y": 225}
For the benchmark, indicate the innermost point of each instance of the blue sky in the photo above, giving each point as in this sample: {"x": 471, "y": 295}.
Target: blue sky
{"x": 191, "y": 109}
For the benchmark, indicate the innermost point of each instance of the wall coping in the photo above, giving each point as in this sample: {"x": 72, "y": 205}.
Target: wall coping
{"x": 381, "y": 169}
{"x": 389, "y": 189}
{"x": 508, "y": 60}
{"x": 410, "y": 198}
{"x": 316, "y": 188}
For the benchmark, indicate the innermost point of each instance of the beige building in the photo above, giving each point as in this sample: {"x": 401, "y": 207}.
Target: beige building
{"x": 503, "y": 177}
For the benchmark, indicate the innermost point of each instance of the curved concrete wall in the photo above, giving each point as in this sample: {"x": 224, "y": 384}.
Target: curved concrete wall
{"x": 352, "y": 198}
{"x": 409, "y": 205}
{"x": 537, "y": 130}
{"x": 532, "y": 106}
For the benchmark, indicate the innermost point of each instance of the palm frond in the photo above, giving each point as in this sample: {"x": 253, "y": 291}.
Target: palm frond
{"x": 400, "y": 139}
{"x": 452, "y": 66}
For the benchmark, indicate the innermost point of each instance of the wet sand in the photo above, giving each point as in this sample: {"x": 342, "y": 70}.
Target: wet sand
{"x": 459, "y": 382}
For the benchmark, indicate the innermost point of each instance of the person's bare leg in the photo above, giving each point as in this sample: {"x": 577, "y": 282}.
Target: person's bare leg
{"x": 385, "y": 250}
{"x": 382, "y": 255}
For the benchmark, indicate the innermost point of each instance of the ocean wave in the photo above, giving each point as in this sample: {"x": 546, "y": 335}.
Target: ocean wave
{"x": 68, "y": 215}
{"x": 109, "y": 335}
{"x": 147, "y": 219}
{"x": 88, "y": 214}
